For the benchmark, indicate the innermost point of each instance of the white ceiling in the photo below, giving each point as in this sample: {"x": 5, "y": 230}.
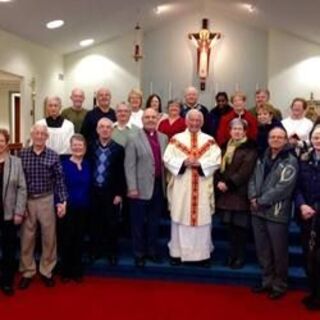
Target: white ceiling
{"x": 106, "y": 19}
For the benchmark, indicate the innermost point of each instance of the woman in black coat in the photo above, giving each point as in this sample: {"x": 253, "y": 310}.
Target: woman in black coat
{"x": 307, "y": 202}
{"x": 231, "y": 181}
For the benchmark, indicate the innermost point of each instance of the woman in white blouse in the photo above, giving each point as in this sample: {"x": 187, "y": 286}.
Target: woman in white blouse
{"x": 297, "y": 125}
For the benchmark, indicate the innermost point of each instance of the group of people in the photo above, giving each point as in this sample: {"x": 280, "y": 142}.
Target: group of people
{"x": 84, "y": 169}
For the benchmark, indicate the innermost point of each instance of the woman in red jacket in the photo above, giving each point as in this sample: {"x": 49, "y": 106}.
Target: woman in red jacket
{"x": 238, "y": 101}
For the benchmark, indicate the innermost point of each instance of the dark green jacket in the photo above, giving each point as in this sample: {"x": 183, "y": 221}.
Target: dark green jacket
{"x": 273, "y": 188}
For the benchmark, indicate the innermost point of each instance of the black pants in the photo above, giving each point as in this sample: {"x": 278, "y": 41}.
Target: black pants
{"x": 145, "y": 217}
{"x": 271, "y": 240}
{"x": 312, "y": 261}
{"x": 71, "y": 234}
{"x": 237, "y": 241}
{"x": 104, "y": 224}
{"x": 8, "y": 248}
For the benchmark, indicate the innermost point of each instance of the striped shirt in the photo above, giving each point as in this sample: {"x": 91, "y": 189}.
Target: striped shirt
{"x": 44, "y": 173}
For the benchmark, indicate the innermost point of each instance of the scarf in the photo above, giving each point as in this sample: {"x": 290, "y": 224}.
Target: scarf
{"x": 230, "y": 150}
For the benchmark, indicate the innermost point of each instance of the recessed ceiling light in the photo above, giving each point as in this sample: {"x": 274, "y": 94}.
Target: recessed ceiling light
{"x": 5, "y": 0}
{"x": 162, "y": 8}
{"x": 54, "y": 24}
{"x": 249, "y": 7}
{"x": 86, "y": 42}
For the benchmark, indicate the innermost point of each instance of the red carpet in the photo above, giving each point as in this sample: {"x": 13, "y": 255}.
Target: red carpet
{"x": 110, "y": 299}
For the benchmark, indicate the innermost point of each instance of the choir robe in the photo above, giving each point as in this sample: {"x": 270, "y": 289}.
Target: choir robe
{"x": 59, "y": 137}
{"x": 191, "y": 194}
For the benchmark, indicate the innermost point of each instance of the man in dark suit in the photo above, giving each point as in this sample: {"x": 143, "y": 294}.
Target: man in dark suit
{"x": 191, "y": 101}
{"x": 107, "y": 159}
{"x": 145, "y": 181}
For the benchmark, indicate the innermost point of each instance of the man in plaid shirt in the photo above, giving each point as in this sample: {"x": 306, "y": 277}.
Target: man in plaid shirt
{"x": 44, "y": 177}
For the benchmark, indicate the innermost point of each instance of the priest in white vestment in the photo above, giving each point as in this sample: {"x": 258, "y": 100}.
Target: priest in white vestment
{"x": 191, "y": 157}
{"x": 60, "y": 130}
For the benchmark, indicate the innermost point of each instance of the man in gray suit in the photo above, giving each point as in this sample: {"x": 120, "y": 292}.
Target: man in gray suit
{"x": 145, "y": 182}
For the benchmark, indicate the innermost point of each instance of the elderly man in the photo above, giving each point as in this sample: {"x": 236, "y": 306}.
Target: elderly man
{"x": 45, "y": 180}
{"x": 123, "y": 129}
{"x": 270, "y": 190}
{"x": 107, "y": 159}
{"x": 103, "y": 110}
{"x": 191, "y": 101}
{"x": 262, "y": 97}
{"x": 145, "y": 182}
{"x": 76, "y": 113}
{"x": 60, "y": 130}
{"x": 192, "y": 158}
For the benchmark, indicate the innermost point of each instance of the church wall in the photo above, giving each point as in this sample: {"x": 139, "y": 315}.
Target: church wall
{"x": 294, "y": 69}
{"x": 28, "y": 60}
{"x": 239, "y": 60}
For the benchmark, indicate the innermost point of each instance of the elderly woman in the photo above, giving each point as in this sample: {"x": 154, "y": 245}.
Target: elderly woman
{"x": 238, "y": 161}
{"x": 135, "y": 98}
{"x": 60, "y": 129}
{"x": 308, "y": 204}
{"x": 12, "y": 209}
{"x": 78, "y": 180}
{"x": 298, "y": 127}
{"x": 174, "y": 123}
{"x": 154, "y": 102}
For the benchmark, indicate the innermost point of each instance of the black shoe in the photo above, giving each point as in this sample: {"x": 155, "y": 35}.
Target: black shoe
{"x": 78, "y": 279}
{"x": 113, "y": 260}
{"x": 276, "y": 295}
{"x": 237, "y": 264}
{"x": 7, "y": 290}
{"x": 205, "y": 263}
{"x": 175, "y": 261}
{"x": 139, "y": 262}
{"x": 48, "y": 282}
{"x": 154, "y": 258}
{"x": 24, "y": 283}
{"x": 229, "y": 261}
{"x": 306, "y": 299}
{"x": 65, "y": 279}
{"x": 313, "y": 304}
{"x": 260, "y": 289}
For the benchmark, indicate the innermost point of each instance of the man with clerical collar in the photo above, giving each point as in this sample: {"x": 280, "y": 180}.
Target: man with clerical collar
{"x": 146, "y": 184}
{"x": 102, "y": 110}
{"x": 60, "y": 130}
{"x": 76, "y": 113}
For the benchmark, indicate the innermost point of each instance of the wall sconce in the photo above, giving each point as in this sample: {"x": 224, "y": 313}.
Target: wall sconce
{"x": 137, "y": 44}
{"x": 204, "y": 41}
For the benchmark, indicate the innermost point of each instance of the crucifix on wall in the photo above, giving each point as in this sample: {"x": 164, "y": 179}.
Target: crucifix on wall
{"x": 204, "y": 40}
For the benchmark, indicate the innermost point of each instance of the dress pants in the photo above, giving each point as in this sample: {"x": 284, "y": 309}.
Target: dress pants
{"x": 71, "y": 234}
{"x": 8, "y": 248}
{"x": 271, "y": 241}
{"x": 104, "y": 224}
{"x": 312, "y": 262}
{"x": 42, "y": 211}
{"x": 145, "y": 216}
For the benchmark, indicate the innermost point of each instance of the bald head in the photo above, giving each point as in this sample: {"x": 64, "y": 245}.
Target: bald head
{"x": 104, "y": 98}
{"x": 191, "y": 96}
{"x": 194, "y": 120}
{"x": 150, "y": 119}
{"x": 77, "y": 97}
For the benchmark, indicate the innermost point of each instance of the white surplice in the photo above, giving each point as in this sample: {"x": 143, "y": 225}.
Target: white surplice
{"x": 191, "y": 194}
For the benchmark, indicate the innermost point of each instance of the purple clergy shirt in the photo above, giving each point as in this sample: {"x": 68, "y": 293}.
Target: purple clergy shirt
{"x": 156, "y": 151}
